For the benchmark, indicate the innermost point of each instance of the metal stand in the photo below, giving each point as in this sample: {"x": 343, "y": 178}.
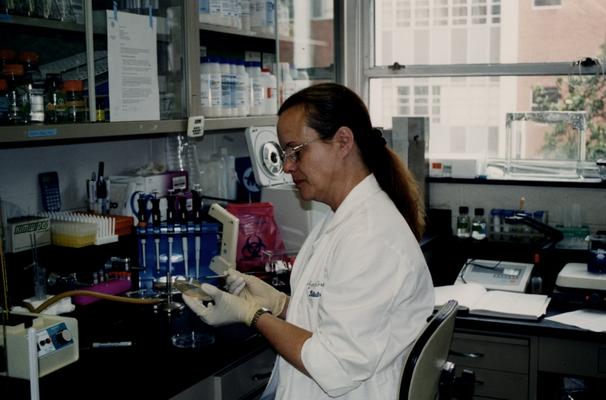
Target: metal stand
{"x": 170, "y": 305}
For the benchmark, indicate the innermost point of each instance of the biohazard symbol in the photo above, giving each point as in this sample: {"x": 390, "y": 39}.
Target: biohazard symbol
{"x": 253, "y": 247}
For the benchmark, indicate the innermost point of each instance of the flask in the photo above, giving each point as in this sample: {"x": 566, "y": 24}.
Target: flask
{"x": 478, "y": 225}
{"x": 463, "y": 223}
{"x": 74, "y": 100}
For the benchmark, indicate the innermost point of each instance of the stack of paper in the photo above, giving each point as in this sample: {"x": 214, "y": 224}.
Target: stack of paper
{"x": 495, "y": 303}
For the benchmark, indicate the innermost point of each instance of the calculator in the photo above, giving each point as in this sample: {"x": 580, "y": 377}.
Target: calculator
{"x": 49, "y": 189}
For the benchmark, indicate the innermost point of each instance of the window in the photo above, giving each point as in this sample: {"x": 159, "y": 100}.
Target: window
{"x": 470, "y": 62}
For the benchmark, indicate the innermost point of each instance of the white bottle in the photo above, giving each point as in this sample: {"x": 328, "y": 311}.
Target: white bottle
{"x": 227, "y": 13}
{"x": 210, "y": 87}
{"x": 256, "y": 87}
{"x": 287, "y": 84}
{"x": 204, "y": 11}
{"x": 242, "y": 90}
{"x": 245, "y": 15}
{"x": 283, "y": 19}
{"x": 226, "y": 88}
{"x": 262, "y": 16}
{"x": 215, "y": 14}
{"x": 270, "y": 106}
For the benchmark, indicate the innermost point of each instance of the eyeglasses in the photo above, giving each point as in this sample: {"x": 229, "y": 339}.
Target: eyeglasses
{"x": 292, "y": 153}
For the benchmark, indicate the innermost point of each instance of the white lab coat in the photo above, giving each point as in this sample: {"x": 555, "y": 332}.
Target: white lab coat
{"x": 360, "y": 284}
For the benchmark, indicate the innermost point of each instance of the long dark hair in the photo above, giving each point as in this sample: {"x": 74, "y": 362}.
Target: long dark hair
{"x": 329, "y": 106}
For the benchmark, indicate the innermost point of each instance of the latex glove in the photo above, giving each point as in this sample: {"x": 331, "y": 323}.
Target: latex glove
{"x": 227, "y": 308}
{"x": 253, "y": 288}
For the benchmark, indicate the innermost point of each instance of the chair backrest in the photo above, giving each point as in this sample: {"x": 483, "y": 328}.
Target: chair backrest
{"x": 423, "y": 367}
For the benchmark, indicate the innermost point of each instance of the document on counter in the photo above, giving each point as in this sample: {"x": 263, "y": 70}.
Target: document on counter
{"x": 493, "y": 303}
{"x": 133, "y": 67}
{"x": 593, "y": 320}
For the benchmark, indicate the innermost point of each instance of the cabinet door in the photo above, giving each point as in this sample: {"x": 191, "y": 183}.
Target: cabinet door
{"x": 306, "y": 44}
{"x": 69, "y": 40}
{"x": 286, "y": 45}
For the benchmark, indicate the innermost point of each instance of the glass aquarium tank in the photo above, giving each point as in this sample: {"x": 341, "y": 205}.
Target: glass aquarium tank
{"x": 545, "y": 145}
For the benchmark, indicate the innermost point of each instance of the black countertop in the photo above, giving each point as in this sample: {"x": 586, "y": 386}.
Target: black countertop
{"x": 151, "y": 367}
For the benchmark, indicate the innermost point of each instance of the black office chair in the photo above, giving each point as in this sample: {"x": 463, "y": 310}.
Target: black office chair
{"x": 427, "y": 373}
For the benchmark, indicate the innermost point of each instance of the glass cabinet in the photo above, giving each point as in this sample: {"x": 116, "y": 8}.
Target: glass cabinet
{"x": 83, "y": 69}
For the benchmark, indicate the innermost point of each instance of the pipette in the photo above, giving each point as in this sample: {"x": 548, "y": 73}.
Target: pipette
{"x": 156, "y": 220}
{"x": 197, "y": 211}
{"x": 185, "y": 222}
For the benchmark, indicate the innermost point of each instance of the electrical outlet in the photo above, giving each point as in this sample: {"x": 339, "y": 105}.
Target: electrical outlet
{"x": 195, "y": 126}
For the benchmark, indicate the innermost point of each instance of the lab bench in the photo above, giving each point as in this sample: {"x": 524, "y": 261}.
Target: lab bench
{"x": 518, "y": 359}
{"x": 234, "y": 364}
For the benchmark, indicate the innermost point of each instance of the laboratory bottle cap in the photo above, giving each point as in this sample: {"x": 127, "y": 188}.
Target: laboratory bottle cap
{"x": 7, "y": 55}
{"x": 29, "y": 57}
{"x": 13, "y": 69}
{"x": 478, "y": 211}
{"x": 73, "y": 85}
{"x": 3, "y": 85}
{"x": 463, "y": 210}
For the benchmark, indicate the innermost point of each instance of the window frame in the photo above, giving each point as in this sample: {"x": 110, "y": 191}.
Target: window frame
{"x": 360, "y": 66}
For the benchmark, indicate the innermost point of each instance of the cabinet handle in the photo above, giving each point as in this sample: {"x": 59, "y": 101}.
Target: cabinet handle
{"x": 261, "y": 376}
{"x": 466, "y": 355}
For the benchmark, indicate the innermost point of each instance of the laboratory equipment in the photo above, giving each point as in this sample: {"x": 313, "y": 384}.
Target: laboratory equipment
{"x": 226, "y": 258}
{"x": 294, "y": 216}
{"x": 597, "y": 254}
{"x": 56, "y": 337}
{"x": 497, "y": 275}
{"x": 576, "y": 285}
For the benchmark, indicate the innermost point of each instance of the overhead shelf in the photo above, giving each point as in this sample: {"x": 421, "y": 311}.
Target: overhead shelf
{"x": 251, "y": 34}
{"x": 28, "y": 134}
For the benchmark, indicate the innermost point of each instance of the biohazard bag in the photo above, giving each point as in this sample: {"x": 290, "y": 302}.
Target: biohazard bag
{"x": 258, "y": 236}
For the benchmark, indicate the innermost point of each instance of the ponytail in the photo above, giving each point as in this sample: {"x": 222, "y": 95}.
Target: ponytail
{"x": 329, "y": 106}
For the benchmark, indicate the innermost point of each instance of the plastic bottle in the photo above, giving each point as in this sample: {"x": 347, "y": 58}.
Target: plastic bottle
{"x": 245, "y": 15}
{"x": 270, "y": 106}
{"x": 256, "y": 87}
{"x": 226, "y": 89}
{"x": 262, "y": 16}
{"x": 210, "y": 87}
{"x": 242, "y": 90}
{"x": 30, "y": 61}
{"x": 478, "y": 225}
{"x": 463, "y": 223}
{"x": 283, "y": 19}
{"x": 204, "y": 11}
{"x": 74, "y": 100}
{"x": 3, "y": 102}
{"x": 287, "y": 84}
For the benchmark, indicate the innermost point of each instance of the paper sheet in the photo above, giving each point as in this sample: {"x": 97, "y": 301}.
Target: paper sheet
{"x": 133, "y": 67}
{"x": 593, "y": 320}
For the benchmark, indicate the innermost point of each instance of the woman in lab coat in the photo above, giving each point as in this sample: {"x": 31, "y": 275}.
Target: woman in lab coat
{"x": 360, "y": 288}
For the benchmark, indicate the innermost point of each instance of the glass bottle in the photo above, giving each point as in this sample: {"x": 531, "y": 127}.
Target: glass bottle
{"x": 18, "y": 95}
{"x": 3, "y": 102}
{"x": 478, "y": 225}
{"x": 54, "y": 99}
{"x": 463, "y": 223}
{"x": 75, "y": 106}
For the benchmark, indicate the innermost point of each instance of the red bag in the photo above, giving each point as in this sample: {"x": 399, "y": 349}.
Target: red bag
{"x": 258, "y": 235}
